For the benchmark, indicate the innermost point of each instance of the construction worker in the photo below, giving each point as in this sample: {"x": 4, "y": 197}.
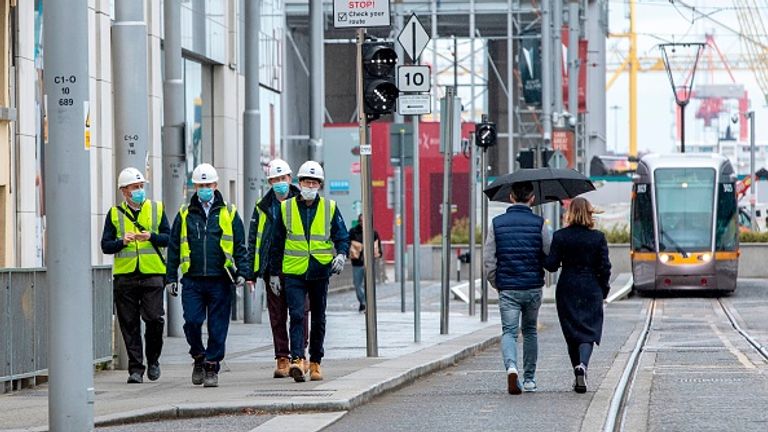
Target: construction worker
{"x": 208, "y": 243}
{"x": 134, "y": 232}
{"x": 260, "y": 247}
{"x": 307, "y": 230}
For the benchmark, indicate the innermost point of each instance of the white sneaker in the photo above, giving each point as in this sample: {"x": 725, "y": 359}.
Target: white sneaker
{"x": 529, "y": 386}
{"x": 513, "y": 385}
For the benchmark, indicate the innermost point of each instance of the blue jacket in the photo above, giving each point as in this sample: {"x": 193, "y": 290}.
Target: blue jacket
{"x": 519, "y": 249}
{"x": 339, "y": 237}
{"x": 204, "y": 235}
{"x": 270, "y": 206}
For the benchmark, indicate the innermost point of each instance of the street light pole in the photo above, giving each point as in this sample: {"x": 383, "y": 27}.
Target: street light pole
{"x": 751, "y": 116}
{"x": 68, "y": 258}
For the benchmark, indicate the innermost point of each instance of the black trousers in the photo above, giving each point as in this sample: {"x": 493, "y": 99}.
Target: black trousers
{"x": 140, "y": 297}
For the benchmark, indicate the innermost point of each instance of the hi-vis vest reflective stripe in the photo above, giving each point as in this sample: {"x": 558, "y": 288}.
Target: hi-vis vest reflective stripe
{"x": 259, "y": 234}
{"x": 142, "y": 251}
{"x": 227, "y": 244}
{"x": 297, "y": 248}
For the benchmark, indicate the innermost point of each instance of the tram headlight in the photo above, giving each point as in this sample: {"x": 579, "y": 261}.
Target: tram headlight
{"x": 664, "y": 258}
{"x": 705, "y": 257}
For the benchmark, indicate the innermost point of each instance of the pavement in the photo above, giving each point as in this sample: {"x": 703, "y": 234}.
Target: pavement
{"x": 246, "y": 385}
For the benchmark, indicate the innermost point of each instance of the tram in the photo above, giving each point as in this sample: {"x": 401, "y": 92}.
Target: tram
{"x": 684, "y": 223}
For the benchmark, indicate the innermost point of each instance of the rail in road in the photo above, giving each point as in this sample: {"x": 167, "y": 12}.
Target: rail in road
{"x": 620, "y": 401}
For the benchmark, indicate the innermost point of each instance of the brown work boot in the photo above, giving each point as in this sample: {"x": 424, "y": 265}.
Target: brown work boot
{"x": 281, "y": 370}
{"x": 297, "y": 370}
{"x": 315, "y": 373}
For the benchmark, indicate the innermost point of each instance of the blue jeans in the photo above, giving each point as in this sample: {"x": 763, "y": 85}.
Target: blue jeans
{"x": 358, "y": 278}
{"x": 520, "y": 309}
{"x": 296, "y": 291}
{"x": 201, "y": 299}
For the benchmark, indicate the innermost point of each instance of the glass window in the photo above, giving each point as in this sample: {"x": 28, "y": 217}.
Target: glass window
{"x": 727, "y": 231}
{"x": 642, "y": 219}
{"x": 197, "y": 115}
{"x": 684, "y": 206}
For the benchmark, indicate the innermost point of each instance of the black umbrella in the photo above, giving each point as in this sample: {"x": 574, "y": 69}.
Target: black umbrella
{"x": 549, "y": 184}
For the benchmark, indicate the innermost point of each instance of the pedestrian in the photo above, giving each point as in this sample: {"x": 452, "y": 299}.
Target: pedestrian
{"x": 208, "y": 243}
{"x": 582, "y": 252}
{"x": 307, "y": 231}
{"x": 356, "y": 256}
{"x": 260, "y": 248}
{"x": 515, "y": 248}
{"x": 134, "y": 232}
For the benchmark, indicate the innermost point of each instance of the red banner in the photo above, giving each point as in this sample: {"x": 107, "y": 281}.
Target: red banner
{"x": 563, "y": 141}
{"x": 582, "y": 71}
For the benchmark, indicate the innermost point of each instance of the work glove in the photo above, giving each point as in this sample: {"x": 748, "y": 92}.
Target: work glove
{"x": 337, "y": 265}
{"x": 173, "y": 288}
{"x": 274, "y": 285}
{"x": 240, "y": 281}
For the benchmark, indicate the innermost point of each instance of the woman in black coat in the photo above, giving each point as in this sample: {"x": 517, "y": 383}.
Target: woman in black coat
{"x": 583, "y": 284}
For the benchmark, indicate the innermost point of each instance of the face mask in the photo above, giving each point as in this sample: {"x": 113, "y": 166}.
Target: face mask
{"x": 309, "y": 194}
{"x": 205, "y": 194}
{"x": 138, "y": 196}
{"x": 281, "y": 188}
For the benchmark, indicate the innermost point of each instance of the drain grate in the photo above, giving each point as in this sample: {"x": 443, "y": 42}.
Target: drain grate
{"x": 292, "y": 393}
{"x": 711, "y": 380}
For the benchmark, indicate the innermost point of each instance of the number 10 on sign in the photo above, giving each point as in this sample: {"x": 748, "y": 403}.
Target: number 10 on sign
{"x": 414, "y": 78}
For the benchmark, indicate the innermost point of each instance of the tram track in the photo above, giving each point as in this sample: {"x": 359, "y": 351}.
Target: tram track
{"x": 619, "y": 401}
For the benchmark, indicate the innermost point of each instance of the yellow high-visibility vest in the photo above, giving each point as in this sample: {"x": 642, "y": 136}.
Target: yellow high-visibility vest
{"x": 141, "y": 252}
{"x": 297, "y": 248}
{"x": 259, "y": 234}
{"x": 227, "y": 243}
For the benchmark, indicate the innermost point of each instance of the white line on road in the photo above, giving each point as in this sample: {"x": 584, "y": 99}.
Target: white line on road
{"x": 300, "y": 422}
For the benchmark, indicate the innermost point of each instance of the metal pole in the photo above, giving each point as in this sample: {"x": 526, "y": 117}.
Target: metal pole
{"x": 573, "y": 63}
{"x": 511, "y": 152}
{"x": 546, "y": 78}
{"x": 484, "y": 235}
{"x": 252, "y": 142}
{"x": 472, "y": 26}
{"x": 129, "y": 60}
{"x": 401, "y": 221}
{"x": 399, "y": 186}
{"x": 472, "y": 221}
{"x": 372, "y": 345}
{"x": 447, "y": 121}
{"x": 752, "y": 198}
{"x": 416, "y": 231}
{"x": 70, "y": 312}
{"x": 682, "y": 128}
{"x": 174, "y": 169}
{"x": 317, "y": 80}
{"x": 557, "y": 53}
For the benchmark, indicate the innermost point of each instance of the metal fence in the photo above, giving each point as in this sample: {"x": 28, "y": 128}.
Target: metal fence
{"x": 24, "y": 320}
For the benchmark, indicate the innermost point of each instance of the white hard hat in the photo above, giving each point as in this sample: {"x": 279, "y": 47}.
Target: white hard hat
{"x": 204, "y": 173}
{"x": 277, "y": 168}
{"x": 311, "y": 169}
{"x": 130, "y": 176}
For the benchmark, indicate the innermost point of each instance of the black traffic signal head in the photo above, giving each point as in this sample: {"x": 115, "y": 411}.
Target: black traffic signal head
{"x": 485, "y": 134}
{"x": 525, "y": 158}
{"x": 379, "y": 90}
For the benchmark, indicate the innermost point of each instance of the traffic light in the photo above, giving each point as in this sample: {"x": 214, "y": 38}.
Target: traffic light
{"x": 485, "y": 134}
{"x": 379, "y": 89}
{"x": 525, "y": 158}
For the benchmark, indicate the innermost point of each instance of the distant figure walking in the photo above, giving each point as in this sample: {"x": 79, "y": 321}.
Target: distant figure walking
{"x": 358, "y": 263}
{"x": 582, "y": 252}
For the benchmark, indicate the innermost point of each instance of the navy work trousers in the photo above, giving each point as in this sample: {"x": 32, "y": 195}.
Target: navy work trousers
{"x": 277, "y": 305}
{"x": 206, "y": 298}
{"x": 296, "y": 291}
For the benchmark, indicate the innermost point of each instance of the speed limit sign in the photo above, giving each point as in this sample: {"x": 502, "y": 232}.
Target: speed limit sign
{"x": 413, "y": 78}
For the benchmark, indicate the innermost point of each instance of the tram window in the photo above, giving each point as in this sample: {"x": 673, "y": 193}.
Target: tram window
{"x": 684, "y": 205}
{"x": 727, "y": 219}
{"x": 642, "y": 219}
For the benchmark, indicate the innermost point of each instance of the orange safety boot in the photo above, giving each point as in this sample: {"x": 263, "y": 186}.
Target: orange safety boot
{"x": 315, "y": 373}
{"x": 281, "y": 370}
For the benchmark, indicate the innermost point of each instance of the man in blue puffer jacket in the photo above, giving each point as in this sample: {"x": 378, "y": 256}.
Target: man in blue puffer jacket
{"x": 517, "y": 243}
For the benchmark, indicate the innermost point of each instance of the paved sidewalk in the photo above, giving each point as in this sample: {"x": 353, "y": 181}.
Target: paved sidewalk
{"x": 246, "y": 383}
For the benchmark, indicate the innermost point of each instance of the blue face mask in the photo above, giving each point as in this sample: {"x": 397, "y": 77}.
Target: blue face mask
{"x": 138, "y": 196}
{"x": 205, "y": 194}
{"x": 281, "y": 188}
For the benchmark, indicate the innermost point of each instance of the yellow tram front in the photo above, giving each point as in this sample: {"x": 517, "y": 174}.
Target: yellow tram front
{"x": 684, "y": 223}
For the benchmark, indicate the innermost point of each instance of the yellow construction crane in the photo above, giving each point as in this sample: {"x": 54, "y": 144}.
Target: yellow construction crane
{"x": 632, "y": 64}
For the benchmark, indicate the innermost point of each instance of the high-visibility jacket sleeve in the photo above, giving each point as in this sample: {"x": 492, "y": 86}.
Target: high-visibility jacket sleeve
{"x": 278, "y": 246}
{"x": 240, "y": 254}
{"x": 161, "y": 238}
{"x": 174, "y": 251}
{"x": 110, "y": 244}
{"x": 253, "y": 228}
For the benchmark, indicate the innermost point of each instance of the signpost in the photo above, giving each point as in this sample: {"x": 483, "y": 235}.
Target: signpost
{"x": 414, "y": 104}
{"x": 414, "y": 38}
{"x": 414, "y": 78}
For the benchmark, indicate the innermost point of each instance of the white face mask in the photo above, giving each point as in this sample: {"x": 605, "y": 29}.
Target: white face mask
{"x": 309, "y": 194}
